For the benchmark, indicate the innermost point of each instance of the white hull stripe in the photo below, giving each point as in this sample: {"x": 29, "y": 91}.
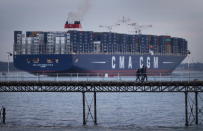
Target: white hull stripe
{"x": 99, "y": 62}
{"x": 167, "y": 62}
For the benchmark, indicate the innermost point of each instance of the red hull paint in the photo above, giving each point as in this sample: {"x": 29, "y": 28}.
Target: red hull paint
{"x": 112, "y": 72}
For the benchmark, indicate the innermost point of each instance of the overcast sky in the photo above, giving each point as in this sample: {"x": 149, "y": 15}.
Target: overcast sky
{"x": 179, "y": 18}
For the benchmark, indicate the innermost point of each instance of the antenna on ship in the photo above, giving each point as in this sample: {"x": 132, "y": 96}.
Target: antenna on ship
{"x": 138, "y": 28}
{"x": 124, "y": 20}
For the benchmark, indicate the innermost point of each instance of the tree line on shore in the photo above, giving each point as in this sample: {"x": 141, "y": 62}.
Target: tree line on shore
{"x": 4, "y": 66}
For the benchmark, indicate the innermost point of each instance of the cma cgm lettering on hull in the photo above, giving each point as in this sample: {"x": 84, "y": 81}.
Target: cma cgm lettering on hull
{"x": 131, "y": 63}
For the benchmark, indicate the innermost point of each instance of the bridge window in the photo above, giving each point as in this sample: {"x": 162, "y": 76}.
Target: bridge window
{"x": 57, "y": 60}
{"x": 35, "y": 60}
{"x": 49, "y": 60}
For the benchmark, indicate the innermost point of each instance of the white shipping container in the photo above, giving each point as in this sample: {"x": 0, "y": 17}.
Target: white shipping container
{"x": 57, "y": 40}
{"x": 29, "y": 40}
{"x": 62, "y": 40}
{"x": 19, "y": 39}
{"x": 23, "y": 51}
{"x": 50, "y": 41}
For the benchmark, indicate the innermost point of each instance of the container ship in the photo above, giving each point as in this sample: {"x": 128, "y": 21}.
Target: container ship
{"x": 108, "y": 53}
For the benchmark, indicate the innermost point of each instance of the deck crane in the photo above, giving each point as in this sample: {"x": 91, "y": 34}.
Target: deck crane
{"x": 124, "y": 20}
{"x": 138, "y": 28}
{"x": 108, "y": 27}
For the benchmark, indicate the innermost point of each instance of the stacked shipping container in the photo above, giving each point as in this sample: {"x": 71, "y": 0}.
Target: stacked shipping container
{"x": 80, "y": 42}
{"x": 154, "y": 44}
{"x": 17, "y": 42}
{"x": 144, "y": 41}
{"x": 95, "y": 42}
{"x": 165, "y": 45}
{"x": 60, "y": 43}
{"x": 50, "y": 43}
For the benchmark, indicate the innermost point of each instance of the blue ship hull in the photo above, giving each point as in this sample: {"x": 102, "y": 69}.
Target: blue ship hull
{"x": 112, "y": 64}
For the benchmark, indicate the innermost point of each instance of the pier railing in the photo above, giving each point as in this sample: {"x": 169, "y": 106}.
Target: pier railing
{"x": 24, "y": 76}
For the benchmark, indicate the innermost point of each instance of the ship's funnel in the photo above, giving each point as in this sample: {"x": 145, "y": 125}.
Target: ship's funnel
{"x": 74, "y": 24}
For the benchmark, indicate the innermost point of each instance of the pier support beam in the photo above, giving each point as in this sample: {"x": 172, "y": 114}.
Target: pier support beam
{"x": 83, "y": 102}
{"x": 186, "y": 109}
{"x": 3, "y": 115}
{"x": 95, "y": 108}
{"x": 89, "y": 108}
{"x": 196, "y": 108}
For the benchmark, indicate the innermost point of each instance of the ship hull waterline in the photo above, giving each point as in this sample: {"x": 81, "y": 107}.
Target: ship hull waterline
{"x": 97, "y": 64}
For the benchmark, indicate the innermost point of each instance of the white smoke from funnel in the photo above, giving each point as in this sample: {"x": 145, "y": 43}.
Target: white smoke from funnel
{"x": 80, "y": 12}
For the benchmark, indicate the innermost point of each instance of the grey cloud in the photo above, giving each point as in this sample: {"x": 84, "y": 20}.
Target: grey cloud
{"x": 182, "y": 18}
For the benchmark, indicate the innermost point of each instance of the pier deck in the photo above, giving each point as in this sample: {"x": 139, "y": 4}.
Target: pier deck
{"x": 101, "y": 86}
